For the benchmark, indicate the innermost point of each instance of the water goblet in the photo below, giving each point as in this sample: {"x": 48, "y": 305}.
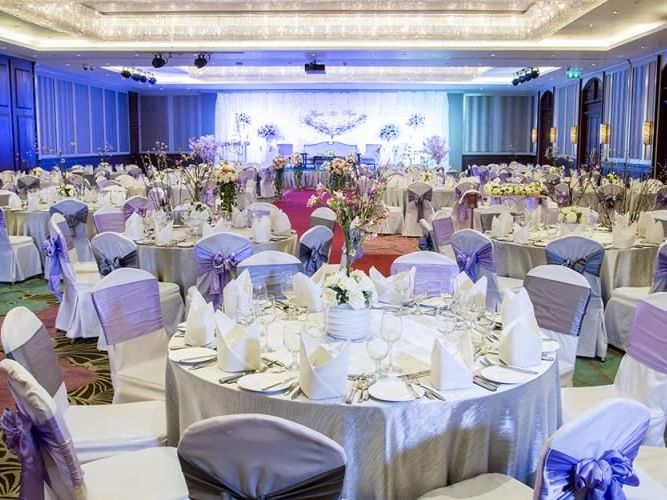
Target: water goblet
{"x": 292, "y": 342}
{"x": 391, "y": 330}
{"x": 377, "y": 349}
{"x": 287, "y": 290}
{"x": 267, "y": 315}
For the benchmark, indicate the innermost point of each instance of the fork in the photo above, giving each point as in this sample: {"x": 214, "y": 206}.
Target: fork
{"x": 353, "y": 392}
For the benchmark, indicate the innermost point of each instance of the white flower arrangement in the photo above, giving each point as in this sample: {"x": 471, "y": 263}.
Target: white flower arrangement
{"x": 225, "y": 173}
{"x": 356, "y": 290}
{"x": 612, "y": 178}
{"x": 496, "y": 188}
{"x": 197, "y": 213}
{"x": 37, "y": 171}
{"x": 571, "y": 215}
{"x": 66, "y": 190}
{"x": 104, "y": 165}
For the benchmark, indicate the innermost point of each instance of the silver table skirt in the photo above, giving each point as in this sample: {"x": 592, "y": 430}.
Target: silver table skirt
{"x": 628, "y": 267}
{"x": 402, "y": 450}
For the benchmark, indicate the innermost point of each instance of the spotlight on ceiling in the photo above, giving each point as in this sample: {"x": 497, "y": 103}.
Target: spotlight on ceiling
{"x": 158, "y": 61}
{"x": 525, "y": 75}
{"x": 138, "y": 75}
{"x": 202, "y": 60}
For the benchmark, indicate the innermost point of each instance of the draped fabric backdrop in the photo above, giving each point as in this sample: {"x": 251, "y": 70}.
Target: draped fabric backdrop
{"x": 285, "y": 109}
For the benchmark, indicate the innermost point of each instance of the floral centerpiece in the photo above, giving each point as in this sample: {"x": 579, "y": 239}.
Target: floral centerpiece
{"x": 416, "y": 120}
{"x": 340, "y": 172}
{"x": 296, "y": 160}
{"x": 66, "y": 190}
{"x": 334, "y": 125}
{"x": 196, "y": 216}
{"x": 104, "y": 165}
{"x": 227, "y": 177}
{"x": 435, "y": 147}
{"x": 348, "y": 300}
{"x": 268, "y": 132}
{"x": 571, "y": 215}
{"x": 37, "y": 171}
{"x": 612, "y": 178}
{"x": 279, "y": 163}
{"x": 496, "y": 188}
{"x": 389, "y": 132}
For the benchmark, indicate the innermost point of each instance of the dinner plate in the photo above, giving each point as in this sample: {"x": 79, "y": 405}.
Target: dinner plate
{"x": 504, "y": 375}
{"x": 144, "y": 242}
{"x": 550, "y": 345}
{"x": 393, "y": 391}
{"x": 540, "y": 244}
{"x": 192, "y": 355}
{"x": 257, "y": 382}
{"x": 185, "y": 244}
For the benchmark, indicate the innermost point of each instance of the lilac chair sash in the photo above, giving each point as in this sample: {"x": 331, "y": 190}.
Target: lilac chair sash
{"x": 420, "y": 195}
{"x": 661, "y": 199}
{"x": 443, "y": 229}
{"x": 562, "y": 315}
{"x": 648, "y": 342}
{"x": 109, "y": 264}
{"x": 137, "y": 205}
{"x": 429, "y": 276}
{"x": 319, "y": 221}
{"x": 271, "y": 275}
{"x": 600, "y": 478}
{"x": 591, "y": 264}
{"x": 314, "y": 257}
{"x": 660, "y": 273}
{"x": 74, "y": 219}
{"x": 54, "y": 251}
{"x": 470, "y": 263}
{"x": 28, "y": 441}
{"x": 129, "y": 310}
{"x": 109, "y": 222}
{"x": 216, "y": 270}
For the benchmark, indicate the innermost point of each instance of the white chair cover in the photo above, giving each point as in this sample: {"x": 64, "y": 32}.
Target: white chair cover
{"x": 19, "y": 257}
{"x": 315, "y": 248}
{"x": 434, "y": 271}
{"x": 266, "y": 176}
{"x": 269, "y": 267}
{"x": 260, "y": 456}
{"x": 441, "y": 231}
{"x": 127, "y": 302}
{"x": 417, "y": 207}
{"x": 560, "y": 297}
{"x": 109, "y": 219}
{"x": 323, "y": 216}
{"x": 585, "y": 256}
{"x": 75, "y": 213}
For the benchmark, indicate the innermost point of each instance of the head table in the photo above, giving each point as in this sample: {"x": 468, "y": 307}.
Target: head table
{"x": 394, "y": 450}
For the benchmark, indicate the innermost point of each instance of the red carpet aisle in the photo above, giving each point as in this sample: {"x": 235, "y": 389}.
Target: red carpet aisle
{"x": 379, "y": 252}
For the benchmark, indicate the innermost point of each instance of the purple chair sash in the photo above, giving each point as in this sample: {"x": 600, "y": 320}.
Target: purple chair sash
{"x": 54, "y": 250}
{"x": 428, "y": 276}
{"x": 420, "y": 197}
{"x": 136, "y": 206}
{"x": 563, "y": 315}
{"x": 74, "y": 218}
{"x": 109, "y": 222}
{"x": 129, "y": 310}
{"x": 600, "y": 478}
{"x": 313, "y": 257}
{"x": 591, "y": 264}
{"x": 28, "y": 440}
{"x": 470, "y": 263}
{"x": 442, "y": 231}
{"x": 648, "y": 342}
{"x": 107, "y": 265}
{"x": 660, "y": 273}
{"x": 216, "y": 270}
{"x": 3, "y": 222}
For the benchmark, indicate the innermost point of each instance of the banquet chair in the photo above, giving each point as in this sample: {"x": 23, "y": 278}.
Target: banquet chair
{"x": 560, "y": 297}
{"x": 597, "y": 456}
{"x": 487, "y": 214}
{"x": 585, "y": 256}
{"x": 19, "y": 256}
{"x": 269, "y": 267}
{"x": 323, "y": 216}
{"x": 475, "y": 256}
{"x": 263, "y": 207}
{"x": 417, "y": 207}
{"x": 660, "y": 199}
{"x": 642, "y": 374}
{"x": 127, "y": 302}
{"x": 266, "y": 176}
{"x": 135, "y": 204}
{"x": 440, "y": 231}
{"x": 612, "y": 197}
{"x": 660, "y": 215}
{"x": 247, "y": 193}
{"x": 217, "y": 257}
{"x": 315, "y": 248}
{"x": 434, "y": 271}
{"x": 134, "y": 170}
{"x": 51, "y": 467}
{"x": 76, "y": 315}
{"x": 115, "y": 195}
{"x": 621, "y": 305}
{"x": 260, "y": 456}
{"x": 114, "y": 250}
{"x": 26, "y": 182}
{"x": 5, "y": 195}
{"x": 75, "y": 213}
{"x": 98, "y": 431}
{"x": 103, "y": 182}
{"x": 108, "y": 219}
{"x": 87, "y": 267}
{"x": 462, "y": 212}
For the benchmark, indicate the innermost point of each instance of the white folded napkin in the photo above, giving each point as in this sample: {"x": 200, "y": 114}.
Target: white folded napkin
{"x": 642, "y": 223}
{"x": 395, "y": 289}
{"x": 200, "y": 323}
{"x": 462, "y": 284}
{"x": 239, "y": 218}
{"x": 134, "y": 227}
{"x": 452, "y": 363}
{"x": 280, "y": 223}
{"x": 520, "y": 234}
{"x": 33, "y": 202}
{"x": 521, "y": 342}
{"x": 623, "y": 235}
{"x": 14, "y": 201}
{"x": 322, "y": 375}
{"x": 476, "y": 294}
{"x": 238, "y": 295}
{"x": 515, "y": 305}
{"x": 307, "y": 292}
{"x": 261, "y": 229}
{"x": 238, "y": 345}
{"x": 655, "y": 231}
{"x": 501, "y": 225}
{"x": 164, "y": 234}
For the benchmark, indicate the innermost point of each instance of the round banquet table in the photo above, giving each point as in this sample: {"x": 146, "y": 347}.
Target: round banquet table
{"x": 620, "y": 267}
{"x": 394, "y": 450}
{"x": 176, "y": 263}
{"x": 442, "y": 197}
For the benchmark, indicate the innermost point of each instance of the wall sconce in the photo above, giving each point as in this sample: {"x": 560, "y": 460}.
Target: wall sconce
{"x": 553, "y": 135}
{"x": 533, "y": 135}
{"x": 574, "y": 132}
{"x": 647, "y": 133}
{"x": 604, "y": 133}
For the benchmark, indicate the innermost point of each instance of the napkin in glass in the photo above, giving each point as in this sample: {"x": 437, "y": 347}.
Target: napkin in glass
{"x": 395, "y": 289}
{"x": 521, "y": 342}
{"x": 33, "y": 202}
{"x": 515, "y": 304}
{"x": 322, "y": 374}
{"x": 452, "y": 362}
{"x": 134, "y": 227}
{"x": 642, "y": 223}
{"x": 521, "y": 234}
{"x": 164, "y": 234}
{"x": 623, "y": 234}
{"x": 501, "y": 225}
{"x": 307, "y": 292}
{"x": 655, "y": 231}
{"x": 475, "y": 294}
{"x": 238, "y": 345}
{"x": 237, "y": 295}
{"x": 239, "y": 218}
{"x": 261, "y": 229}
{"x": 280, "y": 223}
{"x": 14, "y": 201}
{"x": 200, "y": 323}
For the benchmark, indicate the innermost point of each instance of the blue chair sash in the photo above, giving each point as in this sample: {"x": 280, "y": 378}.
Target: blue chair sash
{"x": 109, "y": 265}
{"x": 660, "y": 273}
{"x": 216, "y": 269}
{"x": 54, "y": 252}
{"x": 470, "y": 263}
{"x": 313, "y": 257}
{"x": 73, "y": 219}
{"x": 591, "y": 264}
{"x": 419, "y": 199}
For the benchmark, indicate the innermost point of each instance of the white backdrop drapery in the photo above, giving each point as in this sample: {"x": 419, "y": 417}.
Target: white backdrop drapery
{"x": 286, "y": 109}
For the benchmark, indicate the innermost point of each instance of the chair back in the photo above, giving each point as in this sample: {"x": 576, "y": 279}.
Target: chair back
{"x": 396, "y": 180}
{"x": 592, "y": 456}
{"x": 26, "y": 340}
{"x": 612, "y": 196}
{"x": 474, "y": 254}
{"x": 434, "y": 271}
{"x": 660, "y": 270}
{"x": 113, "y": 251}
{"x": 487, "y": 214}
{"x": 260, "y": 456}
{"x": 217, "y": 257}
{"x": 442, "y": 228}
{"x": 26, "y": 182}
{"x": 4, "y": 234}
{"x": 661, "y": 199}
{"x": 269, "y": 267}
{"x": 581, "y": 254}
{"x": 75, "y": 213}
{"x": 315, "y": 248}
{"x": 135, "y": 204}
{"x": 5, "y": 195}
{"x": 109, "y": 219}
{"x": 134, "y": 170}
{"x": 263, "y": 207}
{"x": 38, "y": 435}
{"x": 323, "y": 216}
{"x": 661, "y": 215}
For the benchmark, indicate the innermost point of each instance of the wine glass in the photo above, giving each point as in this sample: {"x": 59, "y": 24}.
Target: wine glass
{"x": 259, "y": 292}
{"x": 292, "y": 342}
{"x": 287, "y": 290}
{"x": 377, "y": 349}
{"x": 267, "y": 315}
{"x": 311, "y": 326}
{"x": 391, "y": 329}
{"x": 419, "y": 295}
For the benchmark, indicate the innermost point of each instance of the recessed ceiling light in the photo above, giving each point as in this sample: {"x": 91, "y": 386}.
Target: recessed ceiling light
{"x": 615, "y": 12}
{"x": 590, "y": 25}
{"x": 78, "y": 55}
{"x": 493, "y": 55}
{"x": 593, "y": 64}
{"x": 67, "y": 64}
{"x": 643, "y": 47}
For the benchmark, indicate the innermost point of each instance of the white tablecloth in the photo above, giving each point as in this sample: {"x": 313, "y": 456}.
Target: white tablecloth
{"x": 395, "y": 450}
{"x": 176, "y": 264}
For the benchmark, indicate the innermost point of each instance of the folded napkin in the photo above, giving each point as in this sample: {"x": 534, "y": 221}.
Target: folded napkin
{"x": 280, "y": 223}
{"x": 521, "y": 342}
{"x": 164, "y": 234}
{"x": 239, "y": 218}
{"x": 322, "y": 375}
{"x": 261, "y": 229}
{"x": 642, "y": 223}
{"x": 515, "y": 305}
{"x": 452, "y": 363}
{"x": 476, "y": 294}
{"x": 33, "y": 202}
{"x": 623, "y": 235}
{"x": 501, "y": 225}
{"x": 14, "y": 201}
{"x": 462, "y": 284}
{"x": 655, "y": 231}
{"x": 237, "y": 295}
{"x": 238, "y": 345}
{"x": 520, "y": 234}
{"x": 396, "y": 289}
{"x": 307, "y": 292}
{"x": 200, "y": 323}
{"x": 134, "y": 227}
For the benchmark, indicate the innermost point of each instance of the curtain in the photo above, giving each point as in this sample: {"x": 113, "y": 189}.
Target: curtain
{"x": 566, "y": 116}
{"x": 616, "y": 104}
{"x": 642, "y": 108}
{"x": 286, "y": 110}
